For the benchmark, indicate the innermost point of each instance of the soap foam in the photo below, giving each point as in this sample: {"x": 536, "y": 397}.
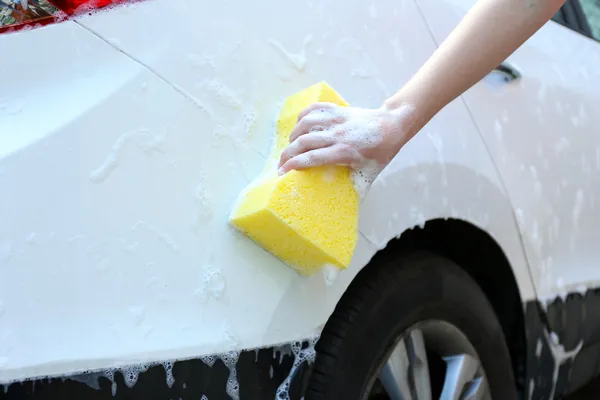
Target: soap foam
{"x": 364, "y": 177}
{"x": 359, "y": 132}
{"x": 90, "y": 9}
{"x": 110, "y": 375}
{"x": 249, "y": 122}
{"x": 230, "y": 360}
{"x": 213, "y": 285}
{"x": 131, "y": 373}
{"x": 170, "y": 379}
{"x": 560, "y": 355}
{"x": 301, "y": 355}
{"x": 330, "y": 273}
{"x": 283, "y": 351}
{"x": 208, "y": 360}
{"x": 417, "y": 217}
{"x": 145, "y": 141}
{"x": 204, "y": 212}
{"x": 223, "y": 93}
{"x": 295, "y": 60}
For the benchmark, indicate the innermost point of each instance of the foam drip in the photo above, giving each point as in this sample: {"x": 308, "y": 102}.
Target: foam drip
{"x": 169, "y": 373}
{"x": 208, "y": 360}
{"x": 301, "y": 355}
{"x": 560, "y": 355}
{"x": 303, "y": 351}
{"x": 255, "y": 355}
{"x": 110, "y": 375}
{"x": 233, "y": 387}
{"x": 283, "y": 351}
{"x": 131, "y": 373}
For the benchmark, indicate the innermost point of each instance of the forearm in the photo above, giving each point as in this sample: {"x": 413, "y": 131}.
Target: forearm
{"x": 328, "y": 134}
{"x": 489, "y": 33}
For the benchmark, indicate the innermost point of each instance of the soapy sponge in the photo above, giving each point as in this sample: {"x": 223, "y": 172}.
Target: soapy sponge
{"x": 308, "y": 218}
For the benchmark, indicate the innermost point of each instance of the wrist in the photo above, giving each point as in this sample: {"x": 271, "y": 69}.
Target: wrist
{"x": 399, "y": 123}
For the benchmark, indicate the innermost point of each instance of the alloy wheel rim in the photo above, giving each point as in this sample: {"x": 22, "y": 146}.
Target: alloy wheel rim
{"x": 406, "y": 375}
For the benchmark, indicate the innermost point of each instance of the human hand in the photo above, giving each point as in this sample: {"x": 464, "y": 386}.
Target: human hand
{"x": 328, "y": 134}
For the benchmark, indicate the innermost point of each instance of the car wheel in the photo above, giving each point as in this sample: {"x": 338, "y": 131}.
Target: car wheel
{"x": 417, "y": 327}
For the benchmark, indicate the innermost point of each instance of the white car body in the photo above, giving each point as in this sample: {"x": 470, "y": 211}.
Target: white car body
{"x": 127, "y": 135}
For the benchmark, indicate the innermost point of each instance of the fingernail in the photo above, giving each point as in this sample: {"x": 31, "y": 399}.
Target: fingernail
{"x": 281, "y": 171}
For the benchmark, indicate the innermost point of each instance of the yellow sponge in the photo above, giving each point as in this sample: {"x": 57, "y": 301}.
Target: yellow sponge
{"x": 308, "y": 218}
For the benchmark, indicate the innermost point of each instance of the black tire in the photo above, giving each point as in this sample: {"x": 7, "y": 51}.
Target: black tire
{"x": 384, "y": 301}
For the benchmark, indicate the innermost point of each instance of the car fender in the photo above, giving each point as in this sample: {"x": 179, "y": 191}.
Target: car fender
{"x": 445, "y": 172}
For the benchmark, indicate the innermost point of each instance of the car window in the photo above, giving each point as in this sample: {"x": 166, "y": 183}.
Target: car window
{"x": 591, "y": 9}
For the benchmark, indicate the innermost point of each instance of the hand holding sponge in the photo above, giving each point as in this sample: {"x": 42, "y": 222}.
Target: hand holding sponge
{"x": 309, "y": 218}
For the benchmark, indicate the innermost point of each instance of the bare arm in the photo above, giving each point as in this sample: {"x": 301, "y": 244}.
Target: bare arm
{"x": 489, "y": 33}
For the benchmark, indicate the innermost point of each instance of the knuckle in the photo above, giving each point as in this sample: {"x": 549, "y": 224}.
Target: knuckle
{"x": 289, "y": 165}
{"x": 308, "y": 121}
{"x": 338, "y": 119}
{"x": 316, "y": 129}
{"x": 302, "y": 142}
{"x": 286, "y": 154}
{"x": 349, "y": 148}
{"x": 304, "y": 160}
{"x": 348, "y": 151}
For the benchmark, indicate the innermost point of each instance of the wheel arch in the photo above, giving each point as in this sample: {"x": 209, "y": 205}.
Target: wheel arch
{"x": 478, "y": 253}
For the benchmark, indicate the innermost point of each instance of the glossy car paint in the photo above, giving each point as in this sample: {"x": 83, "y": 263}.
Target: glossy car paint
{"x": 537, "y": 130}
{"x": 540, "y": 131}
{"x": 282, "y": 58}
{"x": 123, "y": 158}
{"x": 124, "y": 162}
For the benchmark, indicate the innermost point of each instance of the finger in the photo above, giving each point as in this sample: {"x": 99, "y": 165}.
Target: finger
{"x": 314, "y": 107}
{"x": 314, "y": 121}
{"x": 304, "y": 143}
{"x": 332, "y": 155}
{"x": 311, "y": 122}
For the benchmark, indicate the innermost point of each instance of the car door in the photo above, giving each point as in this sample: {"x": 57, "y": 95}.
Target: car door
{"x": 155, "y": 115}
{"x": 542, "y": 132}
{"x": 538, "y": 114}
